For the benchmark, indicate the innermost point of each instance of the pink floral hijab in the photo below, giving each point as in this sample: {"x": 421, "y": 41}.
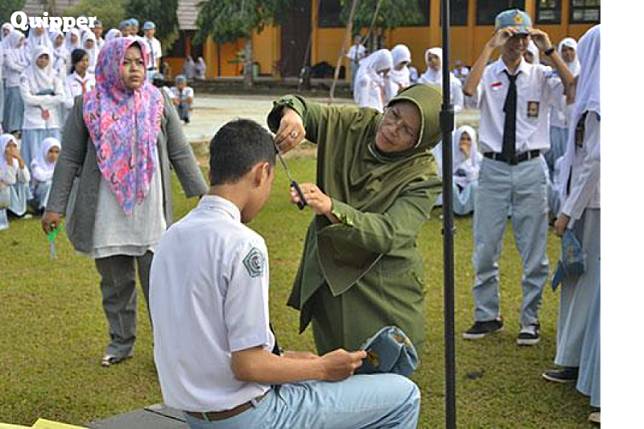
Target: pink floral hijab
{"x": 124, "y": 126}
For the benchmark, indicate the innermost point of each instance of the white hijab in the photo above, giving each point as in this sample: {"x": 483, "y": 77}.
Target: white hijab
{"x": 587, "y": 94}
{"x": 434, "y": 77}
{"x": 4, "y": 141}
{"x": 400, "y": 54}
{"x": 375, "y": 63}
{"x": 569, "y": 42}
{"x": 34, "y": 40}
{"x": 532, "y": 48}
{"x": 17, "y": 54}
{"x": 40, "y": 79}
{"x": 40, "y": 160}
{"x": 60, "y": 53}
{"x": 68, "y": 40}
{"x": 112, "y": 34}
{"x": 93, "y": 52}
{"x": 469, "y": 165}
{"x": 4, "y": 40}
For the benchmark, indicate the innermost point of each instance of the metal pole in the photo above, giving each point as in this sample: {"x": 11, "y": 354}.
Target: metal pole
{"x": 447, "y": 125}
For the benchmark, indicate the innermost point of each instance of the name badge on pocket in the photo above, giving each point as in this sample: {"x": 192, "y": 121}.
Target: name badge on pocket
{"x": 533, "y": 109}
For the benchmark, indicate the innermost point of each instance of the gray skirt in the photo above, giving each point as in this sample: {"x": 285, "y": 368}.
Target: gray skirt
{"x": 14, "y": 110}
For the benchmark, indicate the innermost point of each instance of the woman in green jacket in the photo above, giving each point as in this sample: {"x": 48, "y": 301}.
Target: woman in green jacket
{"x": 376, "y": 182}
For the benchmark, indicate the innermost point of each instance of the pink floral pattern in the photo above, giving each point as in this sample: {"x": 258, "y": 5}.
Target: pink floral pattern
{"x": 123, "y": 125}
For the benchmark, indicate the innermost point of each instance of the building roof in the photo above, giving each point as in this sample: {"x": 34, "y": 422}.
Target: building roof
{"x": 37, "y": 7}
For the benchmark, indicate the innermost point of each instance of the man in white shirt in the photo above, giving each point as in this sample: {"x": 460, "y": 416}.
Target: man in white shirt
{"x": 514, "y": 100}
{"x": 215, "y": 352}
{"x": 182, "y": 97}
{"x": 355, "y": 54}
{"x": 154, "y": 47}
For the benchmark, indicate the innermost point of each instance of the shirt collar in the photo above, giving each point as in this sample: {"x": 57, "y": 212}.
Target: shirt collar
{"x": 215, "y": 202}
{"x": 523, "y": 66}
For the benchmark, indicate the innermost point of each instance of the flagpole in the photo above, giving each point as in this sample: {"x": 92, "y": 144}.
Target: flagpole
{"x": 447, "y": 126}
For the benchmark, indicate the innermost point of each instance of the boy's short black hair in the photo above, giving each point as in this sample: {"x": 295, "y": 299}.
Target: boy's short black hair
{"x": 236, "y": 148}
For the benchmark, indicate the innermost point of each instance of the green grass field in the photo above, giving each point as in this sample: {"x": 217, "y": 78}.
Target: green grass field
{"x": 53, "y": 331}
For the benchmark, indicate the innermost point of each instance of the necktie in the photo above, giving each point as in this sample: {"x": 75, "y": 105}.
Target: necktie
{"x": 152, "y": 59}
{"x": 510, "y": 124}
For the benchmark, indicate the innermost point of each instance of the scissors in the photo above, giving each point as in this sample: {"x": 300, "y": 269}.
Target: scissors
{"x": 302, "y": 202}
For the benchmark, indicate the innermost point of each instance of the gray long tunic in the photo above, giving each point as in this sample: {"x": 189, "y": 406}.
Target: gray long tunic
{"x": 78, "y": 158}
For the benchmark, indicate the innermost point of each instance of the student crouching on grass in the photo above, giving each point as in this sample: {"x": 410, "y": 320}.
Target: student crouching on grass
{"x": 215, "y": 352}
{"x": 14, "y": 180}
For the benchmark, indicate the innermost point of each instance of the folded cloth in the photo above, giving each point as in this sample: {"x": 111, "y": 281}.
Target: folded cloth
{"x": 572, "y": 261}
{"x": 389, "y": 351}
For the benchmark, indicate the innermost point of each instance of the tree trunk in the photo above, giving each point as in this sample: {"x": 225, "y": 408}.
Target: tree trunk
{"x": 248, "y": 63}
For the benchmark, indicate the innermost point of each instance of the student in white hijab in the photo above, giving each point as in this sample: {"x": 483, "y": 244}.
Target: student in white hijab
{"x": 38, "y": 37}
{"x": 42, "y": 91}
{"x": 578, "y": 351}
{"x": 89, "y": 45}
{"x": 371, "y": 81}
{"x": 200, "y": 69}
{"x": 189, "y": 68}
{"x": 60, "y": 54}
{"x": 98, "y": 32}
{"x": 560, "y": 111}
{"x": 113, "y": 33}
{"x": 466, "y": 165}
{"x": 4, "y": 33}
{"x": 531, "y": 54}
{"x": 15, "y": 63}
{"x": 399, "y": 76}
{"x": 42, "y": 172}
{"x": 72, "y": 40}
{"x": 14, "y": 180}
{"x": 434, "y": 76}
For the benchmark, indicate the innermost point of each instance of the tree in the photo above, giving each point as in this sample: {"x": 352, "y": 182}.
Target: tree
{"x": 162, "y": 12}
{"x": 7, "y": 7}
{"x": 228, "y": 20}
{"x": 380, "y": 15}
{"x": 110, "y": 12}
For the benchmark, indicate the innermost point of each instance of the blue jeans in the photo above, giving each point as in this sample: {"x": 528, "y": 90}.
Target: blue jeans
{"x": 361, "y": 401}
{"x": 522, "y": 189}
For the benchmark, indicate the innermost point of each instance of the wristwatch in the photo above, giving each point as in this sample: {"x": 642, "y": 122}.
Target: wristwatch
{"x": 549, "y": 51}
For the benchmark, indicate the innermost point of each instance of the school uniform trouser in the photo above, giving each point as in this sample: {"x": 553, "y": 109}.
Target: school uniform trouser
{"x": 558, "y": 142}
{"x": 118, "y": 287}
{"x": 522, "y": 190}
{"x": 577, "y": 294}
{"x": 360, "y": 401}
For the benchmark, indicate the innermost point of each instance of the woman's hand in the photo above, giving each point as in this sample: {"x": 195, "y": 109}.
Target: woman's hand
{"x": 50, "y": 221}
{"x": 319, "y": 202}
{"x": 291, "y": 131}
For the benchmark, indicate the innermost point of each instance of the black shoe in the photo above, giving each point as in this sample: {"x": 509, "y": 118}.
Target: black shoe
{"x": 567, "y": 374}
{"x": 529, "y": 335}
{"x": 481, "y": 329}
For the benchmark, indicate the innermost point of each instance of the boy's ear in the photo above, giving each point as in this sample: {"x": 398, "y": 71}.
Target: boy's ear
{"x": 261, "y": 172}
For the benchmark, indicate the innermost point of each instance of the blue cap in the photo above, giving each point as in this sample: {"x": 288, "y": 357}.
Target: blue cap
{"x": 513, "y": 18}
{"x": 572, "y": 262}
{"x": 134, "y": 22}
{"x": 149, "y": 25}
{"x": 124, "y": 24}
{"x": 389, "y": 351}
{"x": 181, "y": 78}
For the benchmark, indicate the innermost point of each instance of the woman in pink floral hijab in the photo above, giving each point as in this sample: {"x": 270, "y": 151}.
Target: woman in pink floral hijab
{"x": 118, "y": 144}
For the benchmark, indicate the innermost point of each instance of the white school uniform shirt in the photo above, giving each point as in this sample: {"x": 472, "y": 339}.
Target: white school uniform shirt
{"x": 534, "y": 90}
{"x": 16, "y": 59}
{"x": 356, "y": 53}
{"x": 74, "y": 87}
{"x": 183, "y": 95}
{"x": 154, "y": 51}
{"x": 208, "y": 298}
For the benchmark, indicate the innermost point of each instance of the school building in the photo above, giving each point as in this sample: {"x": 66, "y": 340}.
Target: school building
{"x": 280, "y": 50}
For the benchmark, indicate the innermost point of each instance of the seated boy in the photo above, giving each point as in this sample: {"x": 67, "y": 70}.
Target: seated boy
{"x": 182, "y": 96}
{"x": 213, "y": 347}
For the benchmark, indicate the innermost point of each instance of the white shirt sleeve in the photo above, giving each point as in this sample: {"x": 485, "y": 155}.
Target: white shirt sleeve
{"x": 457, "y": 94}
{"x": 587, "y": 179}
{"x": 246, "y": 303}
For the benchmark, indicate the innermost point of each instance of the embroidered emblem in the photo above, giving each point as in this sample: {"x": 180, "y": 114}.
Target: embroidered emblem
{"x": 533, "y": 109}
{"x": 518, "y": 19}
{"x": 254, "y": 262}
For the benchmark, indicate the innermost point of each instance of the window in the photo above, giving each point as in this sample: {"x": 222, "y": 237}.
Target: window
{"x": 487, "y": 10}
{"x": 457, "y": 13}
{"x": 179, "y": 47}
{"x": 423, "y": 9}
{"x": 329, "y": 14}
{"x": 549, "y": 12}
{"x": 584, "y": 11}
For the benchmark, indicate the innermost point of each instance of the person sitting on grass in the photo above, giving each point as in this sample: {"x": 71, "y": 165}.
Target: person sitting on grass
{"x": 14, "y": 180}
{"x": 42, "y": 172}
{"x": 216, "y": 356}
{"x": 182, "y": 96}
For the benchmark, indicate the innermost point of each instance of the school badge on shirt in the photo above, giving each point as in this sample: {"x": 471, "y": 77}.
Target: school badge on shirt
{"x": 254, "y": 262}
{"x": 533, "y": 109}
